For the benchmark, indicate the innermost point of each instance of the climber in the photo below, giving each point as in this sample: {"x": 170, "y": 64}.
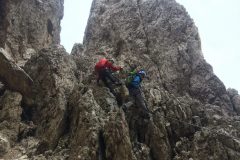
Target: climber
{"x": 135, "y": 92}
{"x": 104, "y": 68}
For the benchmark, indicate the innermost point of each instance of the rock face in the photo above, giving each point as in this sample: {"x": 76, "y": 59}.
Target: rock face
{"x": 235, "y": 98}
{"x": 159, "y": 36}
{"x": 27, "y": 26}
{"x": 13, "y": 76}
{"x": 53, "y": 73}
{"x": 4, "y": 145}
{"x": 10, "y": 118}
{"x": 68, "y": 116}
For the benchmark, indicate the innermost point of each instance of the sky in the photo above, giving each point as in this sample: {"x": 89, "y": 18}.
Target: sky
{"x": 74, "y": 22}
{"x": 218, "y": 22}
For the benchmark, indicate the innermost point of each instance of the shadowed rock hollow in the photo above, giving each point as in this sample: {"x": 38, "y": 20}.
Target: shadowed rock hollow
{"x": 65, "y": 115}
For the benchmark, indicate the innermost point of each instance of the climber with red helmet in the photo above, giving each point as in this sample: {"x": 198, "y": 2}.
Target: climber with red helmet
{"x": 104, "y": 68}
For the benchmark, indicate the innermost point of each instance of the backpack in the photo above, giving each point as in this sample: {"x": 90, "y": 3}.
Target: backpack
{"x": 130, "y": 77}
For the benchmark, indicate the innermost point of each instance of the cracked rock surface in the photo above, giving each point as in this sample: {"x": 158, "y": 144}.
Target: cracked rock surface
{"x": 28, "y": 26}
{"x": 14, "y": 77}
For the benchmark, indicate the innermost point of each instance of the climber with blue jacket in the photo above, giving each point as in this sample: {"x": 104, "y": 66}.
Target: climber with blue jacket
{"x": 134, "y": 87}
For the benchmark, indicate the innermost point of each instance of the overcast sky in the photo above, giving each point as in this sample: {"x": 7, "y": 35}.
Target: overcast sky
{"x": 218, "y": 22}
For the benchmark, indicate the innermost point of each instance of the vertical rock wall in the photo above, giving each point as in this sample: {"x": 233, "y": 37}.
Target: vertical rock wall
{"x": 159, "y": 36}
{"x": 28, "y": 26}
{"x": 53, "y": 72}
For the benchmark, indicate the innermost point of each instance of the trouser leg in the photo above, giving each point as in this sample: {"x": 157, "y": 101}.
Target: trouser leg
{"x": 108, "y": 84}
{"x": 139, "y": 100}
{"x": 109, "y": 75}
{"x": 105, "y": 77}
{"x": 108, "y": 80}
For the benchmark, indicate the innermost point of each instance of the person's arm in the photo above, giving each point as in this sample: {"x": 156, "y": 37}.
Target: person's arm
{"x": 112, "y": 67}
{"x": 134, "y": 72}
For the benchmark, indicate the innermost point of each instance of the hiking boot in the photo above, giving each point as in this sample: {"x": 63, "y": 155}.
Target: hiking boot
{"x": 146, "y": 116}
{"x": 125, "y": 106}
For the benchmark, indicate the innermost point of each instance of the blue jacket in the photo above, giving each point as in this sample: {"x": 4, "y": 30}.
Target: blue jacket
{"x": 136, "y": 81}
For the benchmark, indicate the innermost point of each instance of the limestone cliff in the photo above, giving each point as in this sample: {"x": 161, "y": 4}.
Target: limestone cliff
{"x": 28, "y": 26}
{"x": 68, "y": 116}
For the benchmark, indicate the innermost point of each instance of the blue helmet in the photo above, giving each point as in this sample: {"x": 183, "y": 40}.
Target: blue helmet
{"x": 142, "y": 72}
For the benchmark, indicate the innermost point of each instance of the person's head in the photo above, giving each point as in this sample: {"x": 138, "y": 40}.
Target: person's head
{"x": 142, "y": 73}
{"x": 111, "y": 60}
{"x": 133, "y": 67}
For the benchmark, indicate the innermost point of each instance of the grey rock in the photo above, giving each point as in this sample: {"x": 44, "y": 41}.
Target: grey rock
{"x": 14, "y": 77}
{"x": 85, "y": 126}
{"x": 116, "y": 132}
{"x": 141, "y": 151}
{"x": 235, "y": 99}
{"x": 10, "y": 115}
{"x": 29, "y": 24}
{"x": 4, "y": 145}
{"x": 236, "y": 103}
{"x": 232, "y": 92}
{"x": 53, "y": 72}
{"x": 11, "y": 127}
{"x": 77, "y": 49}
{"x": 160, "y": 37}
{"x": 10, "y": 106}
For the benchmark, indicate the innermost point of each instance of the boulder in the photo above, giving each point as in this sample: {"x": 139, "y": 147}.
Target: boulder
{"x": 160, "y": 37}
{"x": 10, "y": 106}
{"x": 53, "y": 71}
{"x": 235, "y": 99}
{"x": 4, "y": 145}
{"x": 236, "y": 103}
{"x": 10, "y": 115}
{"x": 14, "y": 77}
